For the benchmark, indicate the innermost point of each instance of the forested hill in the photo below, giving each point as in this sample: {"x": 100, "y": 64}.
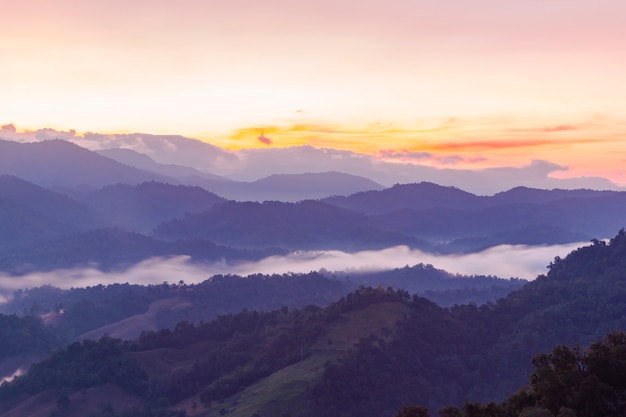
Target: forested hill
{"x": 366, "y": 355}
{"x": 124, "y": 310}
{"x": 482, "y": 354}
{"x": 576, "y": 381}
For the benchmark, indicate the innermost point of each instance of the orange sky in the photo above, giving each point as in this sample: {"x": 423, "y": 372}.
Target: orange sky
{"x": 479, "y": 83}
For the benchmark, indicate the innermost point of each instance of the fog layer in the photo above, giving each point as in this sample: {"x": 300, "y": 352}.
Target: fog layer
{"x": 504, "y": 261}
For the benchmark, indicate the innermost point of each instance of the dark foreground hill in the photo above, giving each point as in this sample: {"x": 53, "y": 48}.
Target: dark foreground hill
{"x": 483, "y": 354}
{"x": 569, "y": 381}
{"x": 368, "y": 354}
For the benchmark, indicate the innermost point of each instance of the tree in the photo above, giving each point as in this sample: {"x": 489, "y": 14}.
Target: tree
{"x": 449, "y": 411}
{"x": 536, "y": 412}
{"x": 588, "y": 381}
{"x": 413, "y": 411}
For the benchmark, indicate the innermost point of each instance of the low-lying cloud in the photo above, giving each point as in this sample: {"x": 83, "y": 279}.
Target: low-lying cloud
{"x": 504, "y": 261}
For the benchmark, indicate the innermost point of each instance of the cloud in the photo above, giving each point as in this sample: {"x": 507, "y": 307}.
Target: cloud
{"x": 10, "y": 128}
{"x": 504, "y": 261}
{"x": 485, "y": 145}
{"x": 47, "y": 134}
{"x": 9, "y": 132}
{"x": 258, "y": 163}
{"x": 404, "y": 155}
{"x": 264, "y": 139}
{"x": 319, "y": 134}
{"x": 549, "y": 129}
{"x": 431, "y": 143}
{"x": 450, "y": 159}
{"x": 561, "y": 128}
{"x": 536, "y": 169}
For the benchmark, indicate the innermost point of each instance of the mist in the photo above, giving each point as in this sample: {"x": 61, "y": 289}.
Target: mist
{"x": 504, "y": 261}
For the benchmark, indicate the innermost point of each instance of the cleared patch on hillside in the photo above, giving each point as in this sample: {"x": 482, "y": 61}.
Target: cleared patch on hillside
{"x": 379, "y": 319}
{"x": 131, "y": 327}
{"x": 285, "y": 391}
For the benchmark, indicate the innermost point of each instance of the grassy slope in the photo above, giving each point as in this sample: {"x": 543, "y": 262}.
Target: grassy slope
{"x": 131, "y": 327}
{"x": 285, "y": 390}
{"x": 81, "y": 403}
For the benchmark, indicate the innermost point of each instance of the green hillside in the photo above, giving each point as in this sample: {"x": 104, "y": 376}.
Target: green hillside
{"x": 469, "y": 353}
{"x": 368, "y": 354}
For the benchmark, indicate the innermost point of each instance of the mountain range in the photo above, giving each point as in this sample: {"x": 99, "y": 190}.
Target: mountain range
{"x": 53, "y": 193}
{"x": 181, "y": 156}
{"x": 43, "y": 228}
{"x": 339, "y": 343}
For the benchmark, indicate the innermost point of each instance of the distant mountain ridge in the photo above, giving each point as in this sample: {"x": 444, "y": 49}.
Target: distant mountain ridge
{"x": 290, "y": 187}
{"x": 408, "y": 196}
{"x": 110, "y": 249}
{"x": 61, "y": 163}
{"x": 424, "y": 216}
{"x": 143, "y": 207}
{"x": 251, "y": 164}
{"x": 144, "y": 162}
{"x": 465, "y": 222}
{"x": 305, "y": 225}
{"x": 280, "y": 187}
{"x": 46, "y": 203}
{"x": 427, "y": 195}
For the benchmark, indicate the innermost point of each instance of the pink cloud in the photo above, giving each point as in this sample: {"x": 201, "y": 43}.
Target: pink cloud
{"x": 549, "y": 129}
{"x": 560, "y": 128}
{"x": 416, "y": 157}
{"x": 264, "y": 139}
{"x": 10, "y": 128}
{"x": 404, "y": 155}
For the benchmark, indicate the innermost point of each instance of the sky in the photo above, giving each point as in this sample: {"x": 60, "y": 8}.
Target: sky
{"x": 477, "y": 83}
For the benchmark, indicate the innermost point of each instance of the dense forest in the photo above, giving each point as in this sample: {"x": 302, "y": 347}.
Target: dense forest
{"x": 76, "y": 311}
{"x": 567, "y": 382}
{"x": 373, "y": 352}
{"x": 25, "y": 334}
{"x": 468, "y": 353}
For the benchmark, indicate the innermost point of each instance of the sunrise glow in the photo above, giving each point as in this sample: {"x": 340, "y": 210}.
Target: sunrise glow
{"x": 468, "y": 84}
